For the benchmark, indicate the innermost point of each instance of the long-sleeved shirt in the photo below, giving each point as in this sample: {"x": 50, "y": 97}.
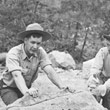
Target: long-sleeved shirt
{"x": 100, "y": 69}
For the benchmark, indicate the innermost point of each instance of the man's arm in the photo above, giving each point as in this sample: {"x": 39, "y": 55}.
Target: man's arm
{"x": 46, "y": 65}
{"x": 107, "y": 84}
{"x": 20, "y": 82}
{"x": 53, "y": 76}
{"x": 97, "y": 67}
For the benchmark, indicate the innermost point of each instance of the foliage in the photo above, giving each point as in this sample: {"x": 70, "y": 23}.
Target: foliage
{"x": 60, "y": 18}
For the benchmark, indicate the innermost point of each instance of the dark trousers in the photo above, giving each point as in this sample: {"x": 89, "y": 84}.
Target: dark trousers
{"x": 106, "y": 101}
{"x": 9, "y": 95}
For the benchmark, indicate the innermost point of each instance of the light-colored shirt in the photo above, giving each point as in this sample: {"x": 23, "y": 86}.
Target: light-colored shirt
{"x": 100, "y": 70}
{"x": 17, "y": 60}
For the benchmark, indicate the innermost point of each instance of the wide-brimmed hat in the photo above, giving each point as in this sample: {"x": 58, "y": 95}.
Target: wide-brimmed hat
{"x": 34, "y": 28}
{"x": 107, "y": 37}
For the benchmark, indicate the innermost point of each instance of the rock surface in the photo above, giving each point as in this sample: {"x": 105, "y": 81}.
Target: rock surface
{"x": 62, "y": 60}
{"x": 66, "y": 101}
{"x": 51, "y": 98}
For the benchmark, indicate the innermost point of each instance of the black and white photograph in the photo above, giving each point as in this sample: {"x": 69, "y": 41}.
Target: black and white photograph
{"x": 54, "y": 54}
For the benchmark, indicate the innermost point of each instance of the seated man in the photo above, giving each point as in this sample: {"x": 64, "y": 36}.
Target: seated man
{"x": 99, "y": 81}
{"x": 22, "y": 64}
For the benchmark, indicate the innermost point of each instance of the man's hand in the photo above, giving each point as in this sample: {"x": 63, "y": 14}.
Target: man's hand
{"x": 100, "y": 90}
{"x": 69, "y": 89}
{"x": 33, "y": 92}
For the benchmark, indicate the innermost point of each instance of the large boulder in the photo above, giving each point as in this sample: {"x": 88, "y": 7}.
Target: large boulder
{"x": 51, "y": 98}
{"x": 63, "y": 101}
{"x": 62, "y": 60}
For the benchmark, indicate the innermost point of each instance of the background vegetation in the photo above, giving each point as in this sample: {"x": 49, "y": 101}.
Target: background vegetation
{"x": 77, "y": 26}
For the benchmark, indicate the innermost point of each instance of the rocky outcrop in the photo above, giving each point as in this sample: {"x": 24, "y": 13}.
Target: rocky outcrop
{"x": 51, "y": 98}
{"x": 62, "y": 60}
{"x": 67, "y": 101}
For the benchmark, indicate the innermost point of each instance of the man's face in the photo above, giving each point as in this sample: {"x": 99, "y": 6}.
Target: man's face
{"x": 32, "y": 44}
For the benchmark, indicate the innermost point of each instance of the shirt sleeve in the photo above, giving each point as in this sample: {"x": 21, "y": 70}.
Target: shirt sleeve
{"x": 96, "y": 69}
{"x": 12, "y": 62}
{"x": 97, "y": 65}
{"x": 44, "y": 59}
{"x": 107, "y": 84}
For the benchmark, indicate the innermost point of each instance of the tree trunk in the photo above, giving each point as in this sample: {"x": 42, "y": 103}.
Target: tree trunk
{"x": 85, "y": 39}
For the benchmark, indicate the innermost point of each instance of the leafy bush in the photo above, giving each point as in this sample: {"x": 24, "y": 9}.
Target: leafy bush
{"x": 66, "y": 20}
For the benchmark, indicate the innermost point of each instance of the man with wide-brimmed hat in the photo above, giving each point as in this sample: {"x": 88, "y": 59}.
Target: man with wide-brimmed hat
{"x": 99, "y": 81}
{"x": 22, "y": 64}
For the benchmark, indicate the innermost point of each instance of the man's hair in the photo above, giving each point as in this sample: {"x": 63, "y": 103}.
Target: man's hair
{"x": 34, "y": 35}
